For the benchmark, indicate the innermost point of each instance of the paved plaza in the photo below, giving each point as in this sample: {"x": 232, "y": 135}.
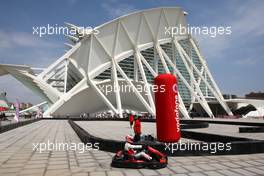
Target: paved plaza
{"x": 116, "y": 130}
{"x": 228, "y": 130}
{"x": 17, "y": 157}
{"x": 251, "y": 120}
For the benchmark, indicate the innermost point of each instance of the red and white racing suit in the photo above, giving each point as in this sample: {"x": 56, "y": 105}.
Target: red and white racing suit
{"x": 131, "y": 150}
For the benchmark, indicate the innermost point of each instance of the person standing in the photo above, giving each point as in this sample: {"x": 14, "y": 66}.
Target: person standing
{"x": 137, "y": 128}
{"x": 4, "y": 116}
{"x": 131, "y": 120}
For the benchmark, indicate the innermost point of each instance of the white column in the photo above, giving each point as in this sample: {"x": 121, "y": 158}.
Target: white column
{"x": 141, "y": 99}
{"x": 117, "y": 90}
{"x": 184, "y": 81}
{"x": 198, "y": 90}
{"x": 218, "y": 93}
{"x": 162, "y": 58}
{"x": 143, "y": 75}
{"x": 66, "y": 75}
{"x": 102, "y": 96}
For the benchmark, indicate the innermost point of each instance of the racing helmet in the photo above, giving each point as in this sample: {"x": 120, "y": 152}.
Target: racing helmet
{"x": 129, "y": 139}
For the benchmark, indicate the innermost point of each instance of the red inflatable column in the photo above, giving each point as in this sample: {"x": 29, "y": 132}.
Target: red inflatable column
{"x": 167, "y": 108}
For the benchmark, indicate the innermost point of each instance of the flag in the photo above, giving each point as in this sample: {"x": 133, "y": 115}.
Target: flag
{"x": 16, "y": 118}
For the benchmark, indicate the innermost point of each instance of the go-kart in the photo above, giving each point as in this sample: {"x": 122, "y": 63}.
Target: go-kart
{"x": 123, "y": 160}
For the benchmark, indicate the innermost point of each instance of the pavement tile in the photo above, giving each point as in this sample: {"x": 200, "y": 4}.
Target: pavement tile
{"x": 213, "y": 173}
{"x": 97, "y": 174}
{"x": 178, "y": 169}
{"x": 63, "y": 172}
{"x": 9, "y": 170}
{"x": 58, "y": 166}
{"x": 242, "y": 163}
{"x": 243, "y": 172}
{"x": 132, "y": 172}
{"x": 114, "y": 173}
{"x": 205, "y": 167}
{"x": 165, "y": 171}
{"x": 228, "y": 173}
{"x": 218, "y": 166}
{"x": 192, "y": 168}
{"x": 80, "y": 174}
{"x": 231, "y": 165}
{"x": 32, "y": 171}
{"x": 255, "y": 170}
{"x": 255, "y": 163}
{"x": 196, "y": 174}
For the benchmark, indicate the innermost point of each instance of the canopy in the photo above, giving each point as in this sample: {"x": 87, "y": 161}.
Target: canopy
{"x": 3, "y": 105}
{"x": 3, "y": 109}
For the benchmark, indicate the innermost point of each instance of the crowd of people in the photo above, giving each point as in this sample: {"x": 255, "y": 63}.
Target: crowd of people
{"x": 4, "y": 117}
{"x": 110, "y": 115}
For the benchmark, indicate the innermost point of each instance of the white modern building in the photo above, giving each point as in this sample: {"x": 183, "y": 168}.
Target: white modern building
{"x": 128, "y": 51}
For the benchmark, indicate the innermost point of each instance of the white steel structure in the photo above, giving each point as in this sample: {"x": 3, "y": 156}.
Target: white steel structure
{"x": 128, "y": 51}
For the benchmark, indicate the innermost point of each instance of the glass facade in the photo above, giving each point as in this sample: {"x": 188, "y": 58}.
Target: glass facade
{"x": 154, "y": 61}
{"x": 56, "y": 78}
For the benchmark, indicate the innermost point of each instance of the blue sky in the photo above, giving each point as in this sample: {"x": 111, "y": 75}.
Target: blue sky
{"x": 236, "y": 61}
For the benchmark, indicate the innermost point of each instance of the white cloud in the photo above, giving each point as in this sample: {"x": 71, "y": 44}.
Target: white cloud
{"x": 117, "y": 9}
{"x": 246, "y": 62}
{"x": 249, "y": 20}
{"x": 246, "y": 25}
{"x": 24, "y": 48}
{"x": 23, "y": 39}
